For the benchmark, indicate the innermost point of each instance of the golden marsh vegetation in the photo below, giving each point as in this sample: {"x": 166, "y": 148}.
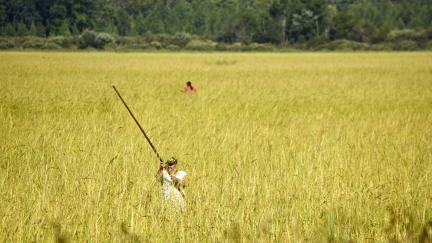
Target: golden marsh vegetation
{"x": 277, "y": 147}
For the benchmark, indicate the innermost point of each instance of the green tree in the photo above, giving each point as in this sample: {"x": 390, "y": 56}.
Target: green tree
{"x": 57, "y": 14}
{"x": 140, "y": 25}
{"x": 64, "y": 28}
{"x": 226, "y": 12}
{"x": 21, "y": 29}
{"x": 111, "y": 28}
{"x": 278, "y": 10}
{"x": 122, "y": 22}
{"x": 200, "y": 18}
{"x": 3, "y": 16}
{"x": 268, "y": 31}
{"x": 9, "y": 30}
{"x": 358, "y": 22}
{"x": 37, "y": 29}
{"x": 154, "y": 24}
{"x": 133, "y": 30}
{"x": 246, "y": 26}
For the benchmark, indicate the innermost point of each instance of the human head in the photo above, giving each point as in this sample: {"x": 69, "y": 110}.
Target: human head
{"x": 189, "y": 83}
{"x": 171, "y": 163}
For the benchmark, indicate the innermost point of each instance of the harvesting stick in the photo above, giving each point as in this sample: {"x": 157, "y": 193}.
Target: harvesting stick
{"x": 136, "y": 121}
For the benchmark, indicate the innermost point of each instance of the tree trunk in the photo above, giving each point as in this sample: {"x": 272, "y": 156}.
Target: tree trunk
{"x": 283, "y": 26}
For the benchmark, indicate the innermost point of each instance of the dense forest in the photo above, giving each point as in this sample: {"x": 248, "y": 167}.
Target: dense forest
{"x": 276, "y": 22}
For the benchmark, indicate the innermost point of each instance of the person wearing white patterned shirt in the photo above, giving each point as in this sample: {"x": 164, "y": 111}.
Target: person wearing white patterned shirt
{"x": 173, "y": 184}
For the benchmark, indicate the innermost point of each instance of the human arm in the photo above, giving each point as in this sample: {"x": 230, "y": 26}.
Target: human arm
{"x": 179, "y": 182}
{"x": 158, "y": 175}
{"x": 179, "y": 179}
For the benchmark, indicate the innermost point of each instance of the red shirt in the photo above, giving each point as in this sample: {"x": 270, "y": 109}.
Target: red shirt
{"x": 190, "y": 89}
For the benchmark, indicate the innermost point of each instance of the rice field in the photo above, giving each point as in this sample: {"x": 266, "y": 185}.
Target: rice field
{"x": 287, "y": 147}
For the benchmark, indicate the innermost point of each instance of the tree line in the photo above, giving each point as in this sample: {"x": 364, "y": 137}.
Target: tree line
{"x": 278, "y": 22}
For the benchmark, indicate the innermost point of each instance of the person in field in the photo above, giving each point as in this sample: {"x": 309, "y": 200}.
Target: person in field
{"x": 173, "y": 184}
{"x": 189, "y": 88}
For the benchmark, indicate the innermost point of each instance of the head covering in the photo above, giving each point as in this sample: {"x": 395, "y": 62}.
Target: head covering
{"x": 171, "y": 161}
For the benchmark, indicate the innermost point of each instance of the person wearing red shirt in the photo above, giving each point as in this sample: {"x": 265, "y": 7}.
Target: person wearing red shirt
{"x": 189, "y": 88}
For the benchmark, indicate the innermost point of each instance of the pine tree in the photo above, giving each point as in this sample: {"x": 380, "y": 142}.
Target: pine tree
{"x": 111, "y": 28}
{"x": 21, "y": 29}
{"x": 74, "y": 30}
{"x": 140, "y": 25}
{"x": 9, "y": 30}
{"x": 32, "y": 31}
{"x": 2, "y": 17}
{"x": 64, "y": 28}
{"x": 122, "y": 22}
{"x": 133, "y": 27}
{"x": 40, "y": 30}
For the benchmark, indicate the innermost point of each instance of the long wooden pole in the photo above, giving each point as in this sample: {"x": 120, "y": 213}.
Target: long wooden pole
{"x": 136, "y": 121}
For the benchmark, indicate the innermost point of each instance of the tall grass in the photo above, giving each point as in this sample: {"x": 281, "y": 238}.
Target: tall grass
{"x": 278, "y": 147}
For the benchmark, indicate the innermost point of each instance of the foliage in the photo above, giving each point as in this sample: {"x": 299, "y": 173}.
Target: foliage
{"x": 272, "y": 21}
{"x": 181, "y": 39}
{"x": 163, "y": 39}
{"x": 94, "y": 39}
{"x": 64, "y": 42}
{"x": 345, "y": 45}
{"x": 258, "y": 47}
{"x": 126, "y": 40}
{"x": 429, "y": 45}
{"x": 200, "y": 45}
{"x": 173, "y": 47}
{"x": 33, "y": 43}
{"x": 21, "y": 29}
{"x": 111, "y": 46}
{"x": 156, "y": 44}
{"x": 220, "y": 46}
{"x": 404, "y": 35}
{"x": 51, "y": 46}
{"x": 381, "y": 47}
{"x": 238, "y": 46}
{"x": 103, "y": 39}
{"x": 136, "y": 46}
{"x": 36, "y": 30}
{"x": 87, "y": 39}
{"x": 6, "y": 44}
{"x": 406, "y": 45}
{"x": 9, "y": 30}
